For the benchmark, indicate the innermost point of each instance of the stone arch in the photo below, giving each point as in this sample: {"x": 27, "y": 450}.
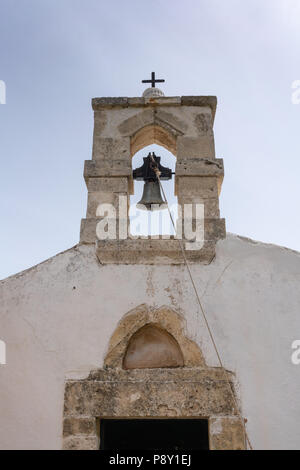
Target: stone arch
{"x": 153, "y": 126}
{"x": 193, "y": 391}
{"x": 152, "y": 347}
{"x": 153, "y": 134}
{"x": 164, "y": 318}
{"x": 156, "y": 393}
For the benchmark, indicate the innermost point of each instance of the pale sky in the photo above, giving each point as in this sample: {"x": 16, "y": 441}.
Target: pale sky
{"x": 55, "y": 55}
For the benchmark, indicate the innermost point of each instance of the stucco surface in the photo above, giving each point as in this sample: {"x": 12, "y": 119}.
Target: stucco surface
{"x": 57, "y": 319}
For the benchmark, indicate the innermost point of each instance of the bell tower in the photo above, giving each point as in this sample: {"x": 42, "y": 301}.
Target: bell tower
{"x": 184, "y": 126}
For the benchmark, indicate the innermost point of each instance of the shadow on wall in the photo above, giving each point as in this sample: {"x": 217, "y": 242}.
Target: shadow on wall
{"x": 152, "y": 347}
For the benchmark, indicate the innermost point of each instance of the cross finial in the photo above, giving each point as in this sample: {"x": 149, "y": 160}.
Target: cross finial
{"x": 153, "y": 80}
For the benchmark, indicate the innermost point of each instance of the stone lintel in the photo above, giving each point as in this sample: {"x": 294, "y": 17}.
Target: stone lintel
{"x": 180, "y": 392}
{"x": 125, "y": 102}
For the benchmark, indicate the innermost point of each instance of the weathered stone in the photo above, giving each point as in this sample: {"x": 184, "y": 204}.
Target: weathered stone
{"x": 134, "y": 123}
{"x": 152, "y": 92}
{"x": 96, "y": 168}
{"x": 114, "y": 185}
{"x": 170, "y": 119}
{"x": 81, "y": 443}
{"x": 100, "y": 122}
{"x": 210, "y": 101}
{"x": 166, "y": 319}
{"x": 205, "y": 187}
{"x": 73, "y": 426}
{"x": 197, "y": 392}
{"x": 152, "y": 252}
{"x": 153, "y": 134}
{"x": 152, "y": 347}
{"x": 195, "y": 147}
{"x": 109, "y": 102}
{"x": 138, "y": 101}
{"x": 163, "y": 101}
{"x": 111, "y": 149}
{"x": 100, "y": 197}
{"x": 200, "y": 167}
{"x": 211, "y": 205}
{"x": 203, "y": 122}
{"x": 123, "y": 126}
{"x": 227, "y": 433}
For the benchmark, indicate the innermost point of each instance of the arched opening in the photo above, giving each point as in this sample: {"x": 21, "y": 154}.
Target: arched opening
{"x": 157, "y": 223}
{"x": 154, "y": 134}
{"x": 152, "y": 347}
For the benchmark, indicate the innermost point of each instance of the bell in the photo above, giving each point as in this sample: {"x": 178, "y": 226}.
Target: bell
{"x": 151, "y": 199}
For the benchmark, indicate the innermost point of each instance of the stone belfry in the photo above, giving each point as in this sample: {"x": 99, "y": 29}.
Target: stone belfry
{"x": 184, "y": 126}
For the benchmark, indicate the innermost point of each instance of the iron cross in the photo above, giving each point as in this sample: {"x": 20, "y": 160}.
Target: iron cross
{"x": 153, "y": 80}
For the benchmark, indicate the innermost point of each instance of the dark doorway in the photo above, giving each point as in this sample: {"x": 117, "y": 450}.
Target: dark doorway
{"x": 154, "y": 434}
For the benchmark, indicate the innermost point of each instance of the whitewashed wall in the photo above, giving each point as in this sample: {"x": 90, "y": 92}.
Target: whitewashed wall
{"x": 57, "y": 318}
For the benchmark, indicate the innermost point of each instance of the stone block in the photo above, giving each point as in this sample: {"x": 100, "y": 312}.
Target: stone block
{"x": 210, "y": 101}
{"x": 109, "y": 102}
{"x": 163, "y": 101}
{"x": 156, "y": 134}
{"x": 79, "y": 425}
{"x": 81, "y": 443}
{"x": 153, "y": 252}
{"x": 99, "y": 197}
{"x": 226, "y": 433}
{"x": 113, "y": 185}
{"x": 106, "y": 148}
{"x": 193, "y": 147}
{"x": 187, "y": 392}
{"x": 106, "y": 168}
{"x": 100, "y": 122}
{"x": 205, "y": 187}
{"x": 211, "y": 205}
{"x": 136, "y": 102}
{"x": 133, "y": 124}
{"x": 166, "y": 117}
{"x": 203, "y": 123}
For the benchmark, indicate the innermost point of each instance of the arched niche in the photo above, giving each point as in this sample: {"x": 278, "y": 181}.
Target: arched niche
{"x": 164, "y": 318}
{"x": 152, "y": 347}
{"x": 193, "y": 391}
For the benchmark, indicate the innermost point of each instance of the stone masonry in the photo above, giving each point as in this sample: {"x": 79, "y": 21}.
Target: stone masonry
{"x": 184, "y": 126}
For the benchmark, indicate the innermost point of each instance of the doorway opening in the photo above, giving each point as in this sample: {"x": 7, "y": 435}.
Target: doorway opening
{"x": 154, "y": 434}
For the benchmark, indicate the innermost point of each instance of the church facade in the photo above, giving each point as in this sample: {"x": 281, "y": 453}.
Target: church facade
{"x": 124, "y": 331}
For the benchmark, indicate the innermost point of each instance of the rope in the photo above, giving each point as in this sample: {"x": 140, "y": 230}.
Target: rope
{"x": 202, "y": 309}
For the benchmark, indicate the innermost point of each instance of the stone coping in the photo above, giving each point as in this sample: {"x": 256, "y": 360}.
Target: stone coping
{"x": 125, "y": 102}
